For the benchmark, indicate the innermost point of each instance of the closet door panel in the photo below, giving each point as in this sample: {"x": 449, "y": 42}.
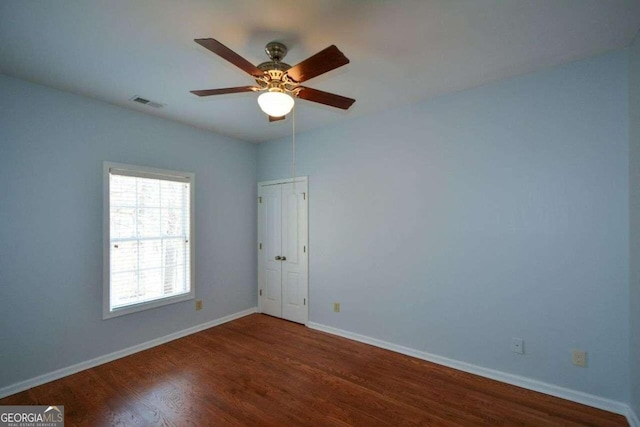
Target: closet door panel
{"x": 294, "y": 248}
{"x": 270, "y": 269}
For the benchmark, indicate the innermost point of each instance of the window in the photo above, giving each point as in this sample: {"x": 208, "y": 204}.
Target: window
{"x": 148, "y": 238}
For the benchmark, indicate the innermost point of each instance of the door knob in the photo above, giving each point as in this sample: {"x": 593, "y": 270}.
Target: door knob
{"x": 278, "y": 257}
{"x": 283, "y": 258}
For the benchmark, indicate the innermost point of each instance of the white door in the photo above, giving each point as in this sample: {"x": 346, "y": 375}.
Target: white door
{"x": 270, "y": 214}
{"x": 294, "y": 249}
{"x": 283, "y": 250}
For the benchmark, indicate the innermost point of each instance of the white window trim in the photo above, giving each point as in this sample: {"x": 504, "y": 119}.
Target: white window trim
{"x": 106, "y": 285}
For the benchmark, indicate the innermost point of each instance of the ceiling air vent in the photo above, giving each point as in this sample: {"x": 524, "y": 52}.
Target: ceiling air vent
{"x": 145, "y": 101}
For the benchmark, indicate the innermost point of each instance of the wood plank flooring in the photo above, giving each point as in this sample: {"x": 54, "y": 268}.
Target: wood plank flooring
{"x": 262, "y": 371}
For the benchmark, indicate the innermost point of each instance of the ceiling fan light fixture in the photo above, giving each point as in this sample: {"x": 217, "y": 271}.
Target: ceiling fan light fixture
{"x": 280, "y": 81}
{"x": 276, "y": 103}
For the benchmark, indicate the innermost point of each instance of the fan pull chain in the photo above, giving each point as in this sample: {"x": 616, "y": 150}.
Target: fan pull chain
{"x": 293, "y": 147}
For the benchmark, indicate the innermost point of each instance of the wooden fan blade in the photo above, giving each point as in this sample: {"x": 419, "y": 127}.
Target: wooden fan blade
{"x": 225, "y": 53}
{"x": 209, "y": 92}
{"x": 326, "y": 98}
{"x": 275, "y": 119}
{"x": 323, "y": 61}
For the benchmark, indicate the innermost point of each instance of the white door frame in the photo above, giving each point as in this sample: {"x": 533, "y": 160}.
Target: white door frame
{"x": 283, "y": 181}
{"x": 300, "y": 179}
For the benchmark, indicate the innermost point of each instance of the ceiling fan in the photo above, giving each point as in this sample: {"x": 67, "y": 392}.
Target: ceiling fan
{"x": 279, "y": 81}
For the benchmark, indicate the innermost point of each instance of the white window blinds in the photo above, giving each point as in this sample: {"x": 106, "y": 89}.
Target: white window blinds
{"x": 149, "y": 237}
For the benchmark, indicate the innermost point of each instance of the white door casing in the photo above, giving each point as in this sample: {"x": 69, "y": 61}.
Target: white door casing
{"x": 283, "y": 283}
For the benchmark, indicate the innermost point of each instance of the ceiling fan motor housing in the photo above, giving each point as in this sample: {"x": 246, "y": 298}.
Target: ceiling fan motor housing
{"x": 275, "y": 70}
{"x": 276, "y": 51}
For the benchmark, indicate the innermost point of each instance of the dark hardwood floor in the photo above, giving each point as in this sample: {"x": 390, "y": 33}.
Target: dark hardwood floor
{"x": 261, "y": 371}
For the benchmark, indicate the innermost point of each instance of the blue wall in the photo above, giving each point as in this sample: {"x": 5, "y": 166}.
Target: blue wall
{"x": 454, "y": 225}
{"x": 52, "y": 145}
{"x": 448, "y": 227}
{"x": 634, "y": 179}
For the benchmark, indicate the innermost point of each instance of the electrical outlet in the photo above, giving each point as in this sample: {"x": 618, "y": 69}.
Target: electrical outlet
{"x": 579, "y": 358}
{"x": 336, "y": 307}
{"x": 517, "y": 345}
{"x": 198, "y": 304}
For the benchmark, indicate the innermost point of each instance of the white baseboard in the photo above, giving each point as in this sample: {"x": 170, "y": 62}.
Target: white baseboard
{"x": 60, "y": 373}
{"x": 517, "y": 380}
{"x": 632, "y": 418}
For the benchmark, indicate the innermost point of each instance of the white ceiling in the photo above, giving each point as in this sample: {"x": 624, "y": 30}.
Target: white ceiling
{"x": 401, "y": 51}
